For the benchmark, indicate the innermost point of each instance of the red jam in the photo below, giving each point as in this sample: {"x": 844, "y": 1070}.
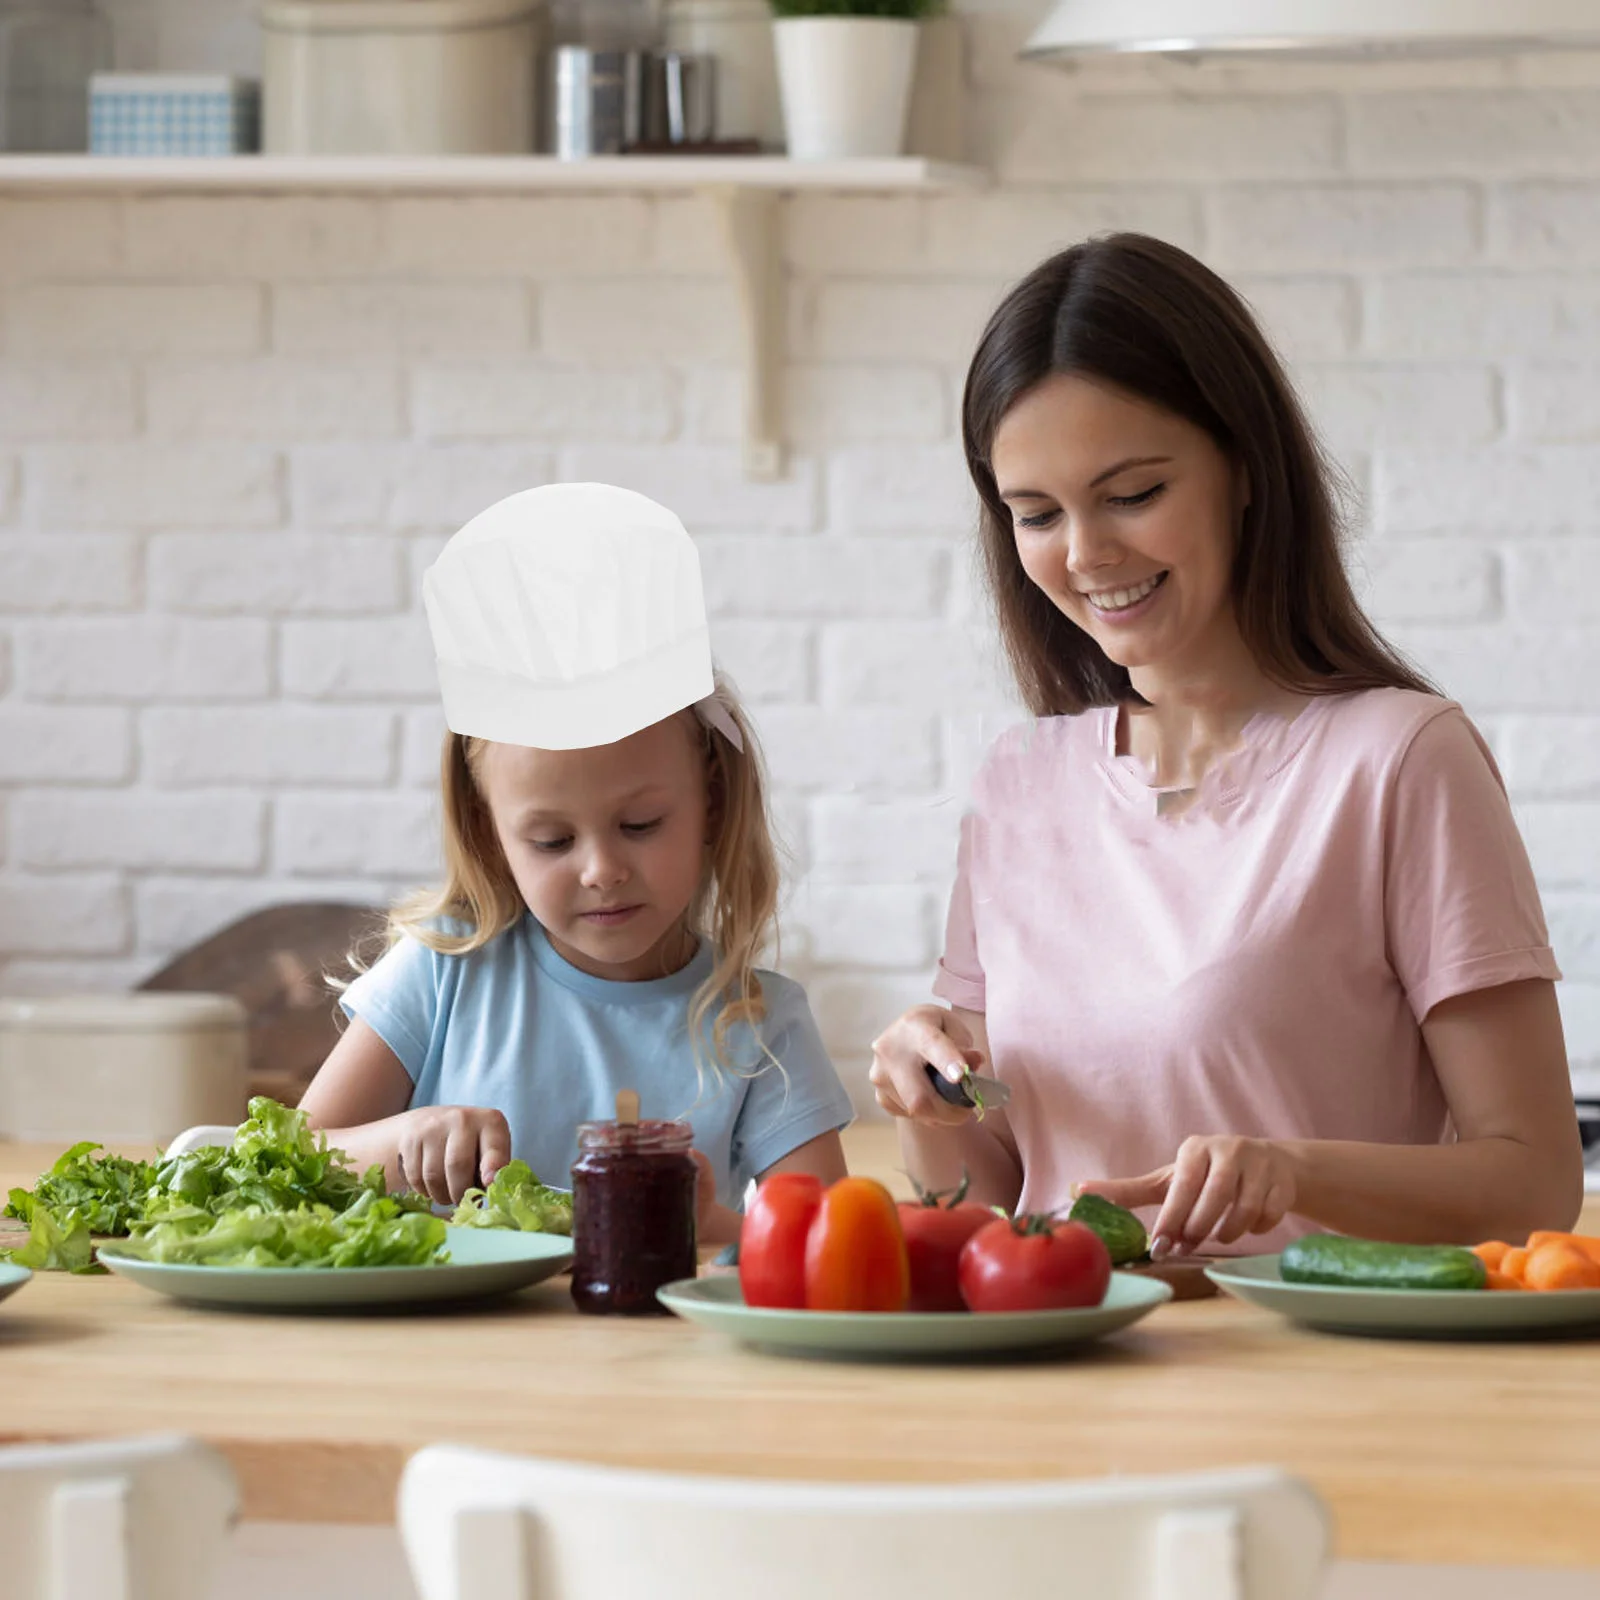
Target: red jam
{"x": 633, "y": 1215}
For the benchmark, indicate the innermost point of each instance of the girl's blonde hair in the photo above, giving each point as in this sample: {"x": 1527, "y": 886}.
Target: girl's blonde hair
{"x": 735, "y": 906}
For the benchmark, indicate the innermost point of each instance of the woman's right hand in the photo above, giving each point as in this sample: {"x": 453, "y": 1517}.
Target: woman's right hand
{"x": 901, "y": 1053}
{"x": 446, "y": 1150}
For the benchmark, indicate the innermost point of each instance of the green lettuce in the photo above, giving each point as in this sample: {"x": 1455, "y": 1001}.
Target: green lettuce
{"x": 53, "y": 1246}
{"x": 104, "y": 1192}
{"x": 274, "y": 1165}
{"x": 375, "y": 1231}
{"x": 516, "y": 1199}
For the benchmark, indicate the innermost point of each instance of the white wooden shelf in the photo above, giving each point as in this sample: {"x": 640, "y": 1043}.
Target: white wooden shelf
{"x": 479, "y": 174}
{"x": 745, "y": 190}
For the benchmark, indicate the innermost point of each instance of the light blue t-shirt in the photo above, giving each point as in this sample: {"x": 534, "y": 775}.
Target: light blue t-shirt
{"x": 515, "y": 1027}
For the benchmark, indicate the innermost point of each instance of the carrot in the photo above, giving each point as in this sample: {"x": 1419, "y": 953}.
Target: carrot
{"x": 1491, "y": 1253}
{"x": 1498, "y": 1280}
{"x": 1561, "y": 1265}
{"x": 1513, "y": 1263}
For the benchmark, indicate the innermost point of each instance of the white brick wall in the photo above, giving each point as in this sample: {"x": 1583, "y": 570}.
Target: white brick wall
{"x": 233, "y": 431}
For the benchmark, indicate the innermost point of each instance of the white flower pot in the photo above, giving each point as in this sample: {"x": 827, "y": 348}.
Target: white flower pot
{"x": 846, "y": 84}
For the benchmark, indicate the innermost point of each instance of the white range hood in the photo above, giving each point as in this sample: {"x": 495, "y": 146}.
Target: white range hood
{"x": 1313, "y": 27}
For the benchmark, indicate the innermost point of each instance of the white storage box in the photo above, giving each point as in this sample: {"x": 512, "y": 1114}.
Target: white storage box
{"x": 130, "y": 1068}
{"x": 400, "y": 77}
{"x": 157, "y": 114}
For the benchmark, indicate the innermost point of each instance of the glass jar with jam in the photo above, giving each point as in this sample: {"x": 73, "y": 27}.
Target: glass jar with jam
{"x": 633, "y": 1214}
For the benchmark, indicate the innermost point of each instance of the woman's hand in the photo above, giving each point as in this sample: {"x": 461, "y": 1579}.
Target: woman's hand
{"x": 1221, "y": 1187}
{"x": 446, "y": 1150}
{"x": 899, "y": 1061}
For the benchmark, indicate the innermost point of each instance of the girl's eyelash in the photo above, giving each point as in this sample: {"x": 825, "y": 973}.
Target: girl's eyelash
{"x": 1043, "y": 519}
{"x": 551, "y": 846}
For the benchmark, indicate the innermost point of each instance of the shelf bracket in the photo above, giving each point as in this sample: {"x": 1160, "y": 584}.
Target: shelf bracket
{"x": 749, "y": 221}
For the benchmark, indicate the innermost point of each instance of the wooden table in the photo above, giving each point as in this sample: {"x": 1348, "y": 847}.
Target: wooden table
{"x": 1425, "y": 1452}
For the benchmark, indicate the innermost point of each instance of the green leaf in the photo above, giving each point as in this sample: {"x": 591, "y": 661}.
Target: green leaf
{"x": 274, "y": 1164}
{"x": 516, "y": 1199}
{"x": 375, "y": 1232}
{"x": 55, "y": 1246}
{"x": 105, "y": 1191}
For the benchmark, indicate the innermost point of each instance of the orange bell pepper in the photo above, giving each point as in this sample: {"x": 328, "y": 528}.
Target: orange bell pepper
{"x": 855, "y": 1251}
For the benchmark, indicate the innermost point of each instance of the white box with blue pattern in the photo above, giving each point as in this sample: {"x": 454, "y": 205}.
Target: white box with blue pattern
{"x": 165, "y": 114}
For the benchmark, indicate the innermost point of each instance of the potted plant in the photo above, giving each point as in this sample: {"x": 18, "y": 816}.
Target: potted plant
{"x": 844, "y": 73}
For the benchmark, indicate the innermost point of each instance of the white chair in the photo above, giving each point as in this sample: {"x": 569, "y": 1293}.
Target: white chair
{"x": 481, "y": 1526}
{"x": 127, "y": 1519}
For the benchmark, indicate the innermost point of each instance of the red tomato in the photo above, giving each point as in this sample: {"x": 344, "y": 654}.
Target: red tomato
{"x": 936, "y": 1227}
{"x": 772, "y": 1240}
{"x": 855, "y": 1252}
{"x": 1033, "y": 1264}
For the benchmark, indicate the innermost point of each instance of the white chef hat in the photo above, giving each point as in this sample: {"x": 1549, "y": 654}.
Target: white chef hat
{"x": 570, "y": 616}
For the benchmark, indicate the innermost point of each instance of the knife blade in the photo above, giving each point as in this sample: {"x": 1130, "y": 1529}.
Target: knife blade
{"x": 992, "y": 1092}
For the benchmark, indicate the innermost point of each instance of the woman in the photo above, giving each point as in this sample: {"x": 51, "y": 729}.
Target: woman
{"x": 1242, "y": 917}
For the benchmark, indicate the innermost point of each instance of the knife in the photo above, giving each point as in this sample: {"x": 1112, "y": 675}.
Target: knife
{"x": 991, "y": 1091}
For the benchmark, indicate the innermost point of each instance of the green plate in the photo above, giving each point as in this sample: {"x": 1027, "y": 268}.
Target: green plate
{"x": 1411, "y": 1313}
{"x": 12, "y": 1278}
{"x": 483, "y": 1261}
{"x": 717, "y": 1303}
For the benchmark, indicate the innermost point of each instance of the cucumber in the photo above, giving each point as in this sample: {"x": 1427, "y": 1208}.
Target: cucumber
{"x": 1367, "y": 1264}
{"x": 1120, "y": 1231}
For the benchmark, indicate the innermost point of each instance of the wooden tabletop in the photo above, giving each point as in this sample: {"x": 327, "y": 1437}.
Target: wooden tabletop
{"x": 1425, "y": 1452}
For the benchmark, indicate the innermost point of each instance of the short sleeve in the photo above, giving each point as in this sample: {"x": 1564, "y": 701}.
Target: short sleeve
{"x": 960, "y": 976}
{"x": 398, "y": 998}
{"x": 1461, "y": 907}
{"x": 783, "y": 1110}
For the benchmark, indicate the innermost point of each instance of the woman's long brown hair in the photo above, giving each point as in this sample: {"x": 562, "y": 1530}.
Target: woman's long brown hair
{"x": 1147, "y": 318}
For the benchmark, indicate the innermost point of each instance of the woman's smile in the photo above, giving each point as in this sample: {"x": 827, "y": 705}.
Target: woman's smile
{"x": 1124, "y": 605}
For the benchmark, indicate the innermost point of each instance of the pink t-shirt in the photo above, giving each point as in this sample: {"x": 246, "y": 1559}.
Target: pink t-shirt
{"x": 1258, "y": 963}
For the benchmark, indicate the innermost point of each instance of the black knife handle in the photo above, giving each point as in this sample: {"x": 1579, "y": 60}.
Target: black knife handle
{"x": 955, "y": 1093}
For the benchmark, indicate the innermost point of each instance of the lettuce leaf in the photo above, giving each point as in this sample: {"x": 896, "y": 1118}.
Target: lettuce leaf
{"x": 55, "y": 1246}
{"x": 275, "y": 1164}
{"x": 516, "y": 1199}
{"x": 105, "y": 1192}
{"x": 374, "y": 1232}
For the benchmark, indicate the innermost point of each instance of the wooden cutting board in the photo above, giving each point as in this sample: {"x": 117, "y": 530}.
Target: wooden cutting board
{"x": 275, "y": 962}
{"x": 1187, "y": 1276}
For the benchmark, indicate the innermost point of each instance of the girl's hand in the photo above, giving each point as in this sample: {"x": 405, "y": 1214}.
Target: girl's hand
{"x": 714, "y": 1223}
{"x": 446, "y": 1150}
{"x": 899, "y": 1059}
{"x": 1221, "y": 1187}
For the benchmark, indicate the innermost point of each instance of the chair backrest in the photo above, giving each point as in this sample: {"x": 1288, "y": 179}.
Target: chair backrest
{"x": 128, "y": 1519}
{"x": 482, "y": 1526}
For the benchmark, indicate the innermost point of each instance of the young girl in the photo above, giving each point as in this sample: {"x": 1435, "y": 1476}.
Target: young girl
{"x": 598, "y": 927}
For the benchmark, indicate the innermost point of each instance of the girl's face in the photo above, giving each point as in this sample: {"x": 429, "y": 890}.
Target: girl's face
{"x": 1126, "y": 516}
{"x": 607, "y": 845}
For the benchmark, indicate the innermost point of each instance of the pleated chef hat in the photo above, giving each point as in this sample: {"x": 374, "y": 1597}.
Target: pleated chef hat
{"x": 570, "y": 616}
